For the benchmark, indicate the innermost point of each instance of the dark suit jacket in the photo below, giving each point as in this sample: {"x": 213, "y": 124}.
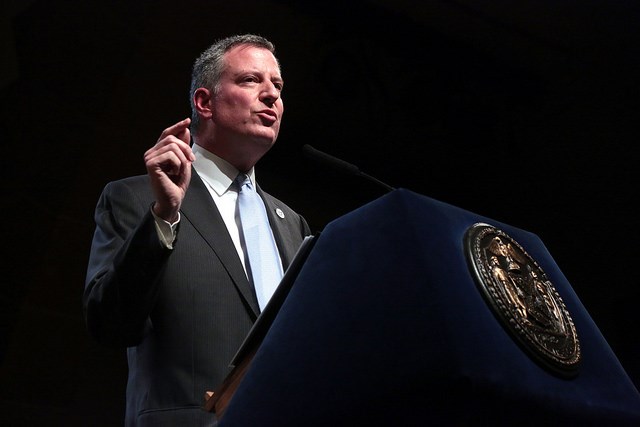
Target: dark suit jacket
{"x": 182, "y": 312}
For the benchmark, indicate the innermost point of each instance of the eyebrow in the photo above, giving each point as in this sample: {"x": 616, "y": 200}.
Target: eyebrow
{"x": 240, "y": 73}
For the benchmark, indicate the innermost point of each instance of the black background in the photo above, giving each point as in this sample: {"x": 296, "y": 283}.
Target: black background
{"x": 525, "y": 112}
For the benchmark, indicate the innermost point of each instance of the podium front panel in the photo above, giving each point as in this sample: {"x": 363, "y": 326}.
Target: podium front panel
{"x": 386, "y": 325}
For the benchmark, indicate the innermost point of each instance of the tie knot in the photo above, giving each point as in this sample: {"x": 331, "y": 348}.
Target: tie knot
{"x": 241, "y": 180}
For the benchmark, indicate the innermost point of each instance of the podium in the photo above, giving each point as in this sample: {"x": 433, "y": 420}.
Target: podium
{"x": 386, "y": 325}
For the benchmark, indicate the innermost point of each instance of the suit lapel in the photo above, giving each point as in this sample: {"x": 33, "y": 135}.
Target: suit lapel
{"x": 200, "y": 210}
{"x": 278, "y": 226}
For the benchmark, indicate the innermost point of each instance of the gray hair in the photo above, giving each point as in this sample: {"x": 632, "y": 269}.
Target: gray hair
{"x": 209, "y": 66}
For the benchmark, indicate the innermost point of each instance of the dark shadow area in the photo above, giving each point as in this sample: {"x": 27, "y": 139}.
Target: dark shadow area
{"x": 526, "y": 114}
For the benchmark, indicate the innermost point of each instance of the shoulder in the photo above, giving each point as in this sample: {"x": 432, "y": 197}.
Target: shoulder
{"x": 277, "y": 203}
{"x": 285, "y": 213}
{"x": 130, "y": 189}
{"x": 136, "y": 183}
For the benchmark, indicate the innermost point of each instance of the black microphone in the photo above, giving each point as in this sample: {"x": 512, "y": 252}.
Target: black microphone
{"x": 340, "y": 165}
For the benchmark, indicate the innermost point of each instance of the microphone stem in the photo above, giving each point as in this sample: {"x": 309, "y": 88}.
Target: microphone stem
{"x": 377, "y": 181}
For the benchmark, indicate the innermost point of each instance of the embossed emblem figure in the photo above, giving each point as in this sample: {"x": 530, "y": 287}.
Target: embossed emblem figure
{"x": 522, "y": 297}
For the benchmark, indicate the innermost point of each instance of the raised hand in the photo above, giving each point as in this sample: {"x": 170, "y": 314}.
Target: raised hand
{"x": 168, "y": 164}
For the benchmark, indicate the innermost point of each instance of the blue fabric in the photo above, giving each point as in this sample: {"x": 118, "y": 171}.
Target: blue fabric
{"x": 263, "y": 267}
{"x": 385, "y": 325}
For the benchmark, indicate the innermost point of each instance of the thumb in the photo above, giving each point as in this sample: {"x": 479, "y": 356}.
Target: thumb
{"x": 185, "y": 136}
{"x": 186, "y": 176}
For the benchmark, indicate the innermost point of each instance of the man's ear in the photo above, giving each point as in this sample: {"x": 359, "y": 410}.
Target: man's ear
{"x": 202, "y": 101}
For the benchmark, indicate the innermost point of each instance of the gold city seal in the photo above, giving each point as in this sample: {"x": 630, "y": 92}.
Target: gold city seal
{"x": 523, "y": 299}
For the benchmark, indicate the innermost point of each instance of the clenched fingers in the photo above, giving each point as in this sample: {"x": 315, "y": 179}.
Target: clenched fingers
{"x": 172, "y": 153}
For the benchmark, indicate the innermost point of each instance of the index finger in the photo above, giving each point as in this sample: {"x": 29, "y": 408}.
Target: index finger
{"x": 176, "y": 129}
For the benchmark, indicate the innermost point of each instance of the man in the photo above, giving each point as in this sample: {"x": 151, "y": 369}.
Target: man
{"x": 168, "y": 275}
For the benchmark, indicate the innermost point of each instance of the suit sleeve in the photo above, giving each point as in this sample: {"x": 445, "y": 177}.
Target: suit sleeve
{"x": 125, "y": 262}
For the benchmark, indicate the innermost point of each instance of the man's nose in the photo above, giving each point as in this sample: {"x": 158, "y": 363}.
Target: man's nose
{"x": 270, "y": 93}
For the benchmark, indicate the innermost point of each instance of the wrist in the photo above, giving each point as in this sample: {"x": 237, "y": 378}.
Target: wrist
{"x": 165, "y": 213}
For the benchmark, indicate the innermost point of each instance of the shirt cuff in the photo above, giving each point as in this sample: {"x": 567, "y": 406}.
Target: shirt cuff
{"x": 166, "y": 230}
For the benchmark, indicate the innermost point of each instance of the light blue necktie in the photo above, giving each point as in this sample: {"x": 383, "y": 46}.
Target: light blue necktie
{"x": 263, "y": 263}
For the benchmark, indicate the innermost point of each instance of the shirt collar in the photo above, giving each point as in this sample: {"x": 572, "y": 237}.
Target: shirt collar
{"x": 216, "y": 171}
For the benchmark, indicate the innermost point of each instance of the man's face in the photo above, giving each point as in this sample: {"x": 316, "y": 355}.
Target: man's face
{"x": 247, "y": 108}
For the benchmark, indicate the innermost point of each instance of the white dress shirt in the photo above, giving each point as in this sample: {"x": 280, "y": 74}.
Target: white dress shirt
{"x": 218, "y": 176}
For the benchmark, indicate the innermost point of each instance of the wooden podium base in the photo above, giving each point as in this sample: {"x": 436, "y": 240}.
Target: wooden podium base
{"x": 218, "y": 401}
